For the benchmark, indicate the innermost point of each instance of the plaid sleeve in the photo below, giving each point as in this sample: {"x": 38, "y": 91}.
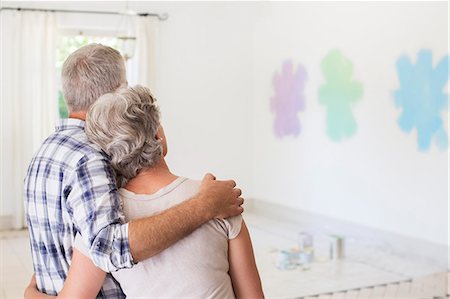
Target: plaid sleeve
{"x": 97, "y": 214}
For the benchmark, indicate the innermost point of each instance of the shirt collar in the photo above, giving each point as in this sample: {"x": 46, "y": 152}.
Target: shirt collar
{"x": 70, "y": 123}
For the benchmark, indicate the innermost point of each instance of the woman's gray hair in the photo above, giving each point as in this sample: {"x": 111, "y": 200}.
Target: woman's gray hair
{"x": 124, "y": 124}
{"x": 90, "y": 72}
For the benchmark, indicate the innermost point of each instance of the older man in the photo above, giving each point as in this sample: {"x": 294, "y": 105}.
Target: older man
{"x": 70, "y": 188}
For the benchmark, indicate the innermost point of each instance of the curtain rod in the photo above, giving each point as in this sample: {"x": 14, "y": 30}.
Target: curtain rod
{"x": 161, "y": 17}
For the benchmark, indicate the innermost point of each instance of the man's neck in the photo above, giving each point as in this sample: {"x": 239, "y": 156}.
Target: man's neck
{"x": 78, "y": 115}
{"x": 151, "y": 179}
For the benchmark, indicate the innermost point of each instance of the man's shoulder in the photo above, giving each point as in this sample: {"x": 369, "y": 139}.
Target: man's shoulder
{"x": 69, "y": 147}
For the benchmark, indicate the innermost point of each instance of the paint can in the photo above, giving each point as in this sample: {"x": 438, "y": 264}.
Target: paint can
{"x": 284, "y": 260}
{"x": 337, "y": 247}
{"x": 306, "y": 256}
{"x": 305, "y": 240}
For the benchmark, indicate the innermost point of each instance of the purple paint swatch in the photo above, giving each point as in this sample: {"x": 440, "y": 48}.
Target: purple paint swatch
{"x": 288, "y": 99}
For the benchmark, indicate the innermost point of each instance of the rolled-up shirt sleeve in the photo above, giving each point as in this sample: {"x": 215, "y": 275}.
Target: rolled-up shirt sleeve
{"x": 97, "y": 215}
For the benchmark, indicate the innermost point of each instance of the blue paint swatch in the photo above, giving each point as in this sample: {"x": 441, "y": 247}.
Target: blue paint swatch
{"x": 422, "y": 98}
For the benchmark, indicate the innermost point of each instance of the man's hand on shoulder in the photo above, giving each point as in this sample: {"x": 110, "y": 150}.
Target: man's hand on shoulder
{"x": 221, "y": 198}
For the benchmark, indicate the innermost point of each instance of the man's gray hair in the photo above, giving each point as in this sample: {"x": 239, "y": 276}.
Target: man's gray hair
{"x": 124, "y": 124}
{"x": 90, "y": 72}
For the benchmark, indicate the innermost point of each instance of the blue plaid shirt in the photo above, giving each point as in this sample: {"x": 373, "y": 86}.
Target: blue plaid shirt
{"x": 70, "y": 188}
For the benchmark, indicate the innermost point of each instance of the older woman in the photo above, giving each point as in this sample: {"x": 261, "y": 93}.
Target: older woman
{"x": 216, "y": 261}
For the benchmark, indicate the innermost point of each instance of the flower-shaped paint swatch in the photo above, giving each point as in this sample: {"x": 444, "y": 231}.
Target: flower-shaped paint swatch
{"x": 339, "y": 93}
{"x": 288, "y": 99}
{"x": 421, "y": 98}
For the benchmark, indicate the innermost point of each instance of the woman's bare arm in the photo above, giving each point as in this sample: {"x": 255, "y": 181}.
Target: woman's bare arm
{"x": 243, "y": 271}
{"x": 84, "y": 281}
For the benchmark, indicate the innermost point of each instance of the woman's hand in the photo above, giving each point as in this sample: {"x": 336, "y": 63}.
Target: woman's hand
{"x": 31, "y": 292}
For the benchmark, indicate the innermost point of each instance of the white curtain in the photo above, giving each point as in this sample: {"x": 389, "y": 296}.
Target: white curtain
{"x": 28, "y": 99}
{"x": 142, "y": 67}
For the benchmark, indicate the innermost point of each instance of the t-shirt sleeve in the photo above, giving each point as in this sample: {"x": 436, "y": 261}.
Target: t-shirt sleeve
{"x": 233, "y": 225}
{"x": 97, "y": 215}
{"x": 79, "y": 244}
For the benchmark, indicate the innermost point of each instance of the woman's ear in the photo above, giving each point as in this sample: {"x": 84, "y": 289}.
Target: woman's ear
{"x": 160, "y": 134}
{"x": 157, "y": 135}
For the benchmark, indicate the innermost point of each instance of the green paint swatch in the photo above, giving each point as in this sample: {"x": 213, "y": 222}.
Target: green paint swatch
{"x": 338, "y": 94}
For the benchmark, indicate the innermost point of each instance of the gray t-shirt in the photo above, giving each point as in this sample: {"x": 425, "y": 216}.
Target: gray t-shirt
{"x": 194, "y": 267}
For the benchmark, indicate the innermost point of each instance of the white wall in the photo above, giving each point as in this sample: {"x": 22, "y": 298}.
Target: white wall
{"x": 203, "y": 83}
{"x": 378, "y": 177}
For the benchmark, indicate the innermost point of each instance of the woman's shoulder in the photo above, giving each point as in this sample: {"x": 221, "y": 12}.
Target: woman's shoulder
{"x": 191, "y": 183}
